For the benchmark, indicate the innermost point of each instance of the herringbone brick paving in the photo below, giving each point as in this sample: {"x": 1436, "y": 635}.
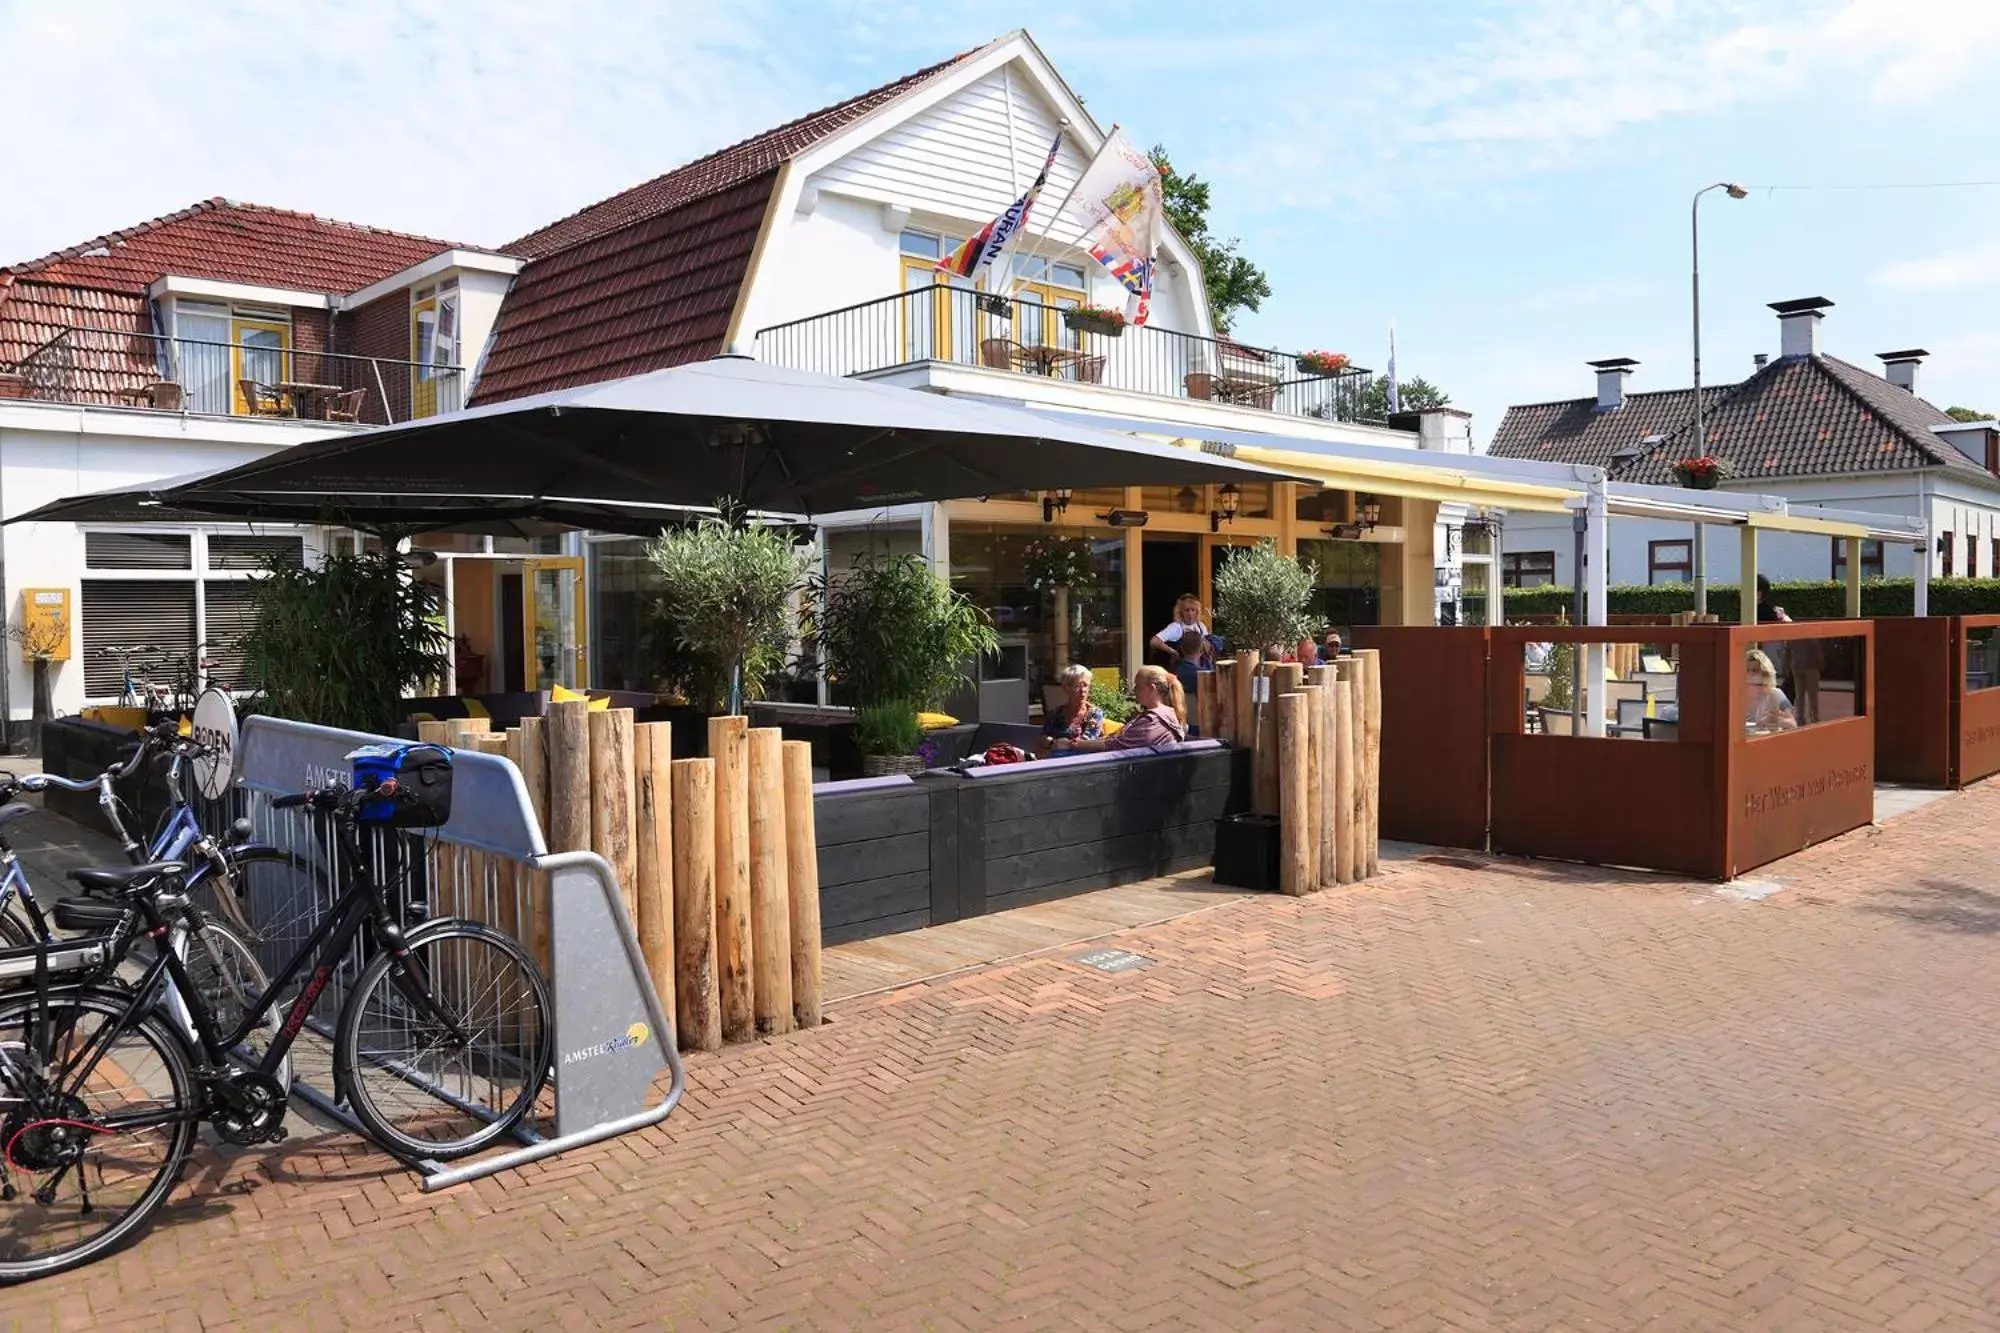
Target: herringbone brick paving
{"x": 1512, "y": 1097}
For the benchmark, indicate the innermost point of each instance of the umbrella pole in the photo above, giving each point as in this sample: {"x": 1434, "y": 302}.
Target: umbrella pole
{"x": 736, "y": 686}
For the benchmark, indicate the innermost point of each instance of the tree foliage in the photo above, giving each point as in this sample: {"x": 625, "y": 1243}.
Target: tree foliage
{"x": 342, "y": 643}
{"x": 893, "y": 632}
{"x": 1957, "y": 413}
{"x": 1233, "y": 282}
{"x": 1412, "y": 395}
{"x": 726, "y": 595}
{"x": 1262, "y": 598}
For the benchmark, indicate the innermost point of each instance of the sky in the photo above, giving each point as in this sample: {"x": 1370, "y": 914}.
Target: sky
{"x": 1507, "y": 182}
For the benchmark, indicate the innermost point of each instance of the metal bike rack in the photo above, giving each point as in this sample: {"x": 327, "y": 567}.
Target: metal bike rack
{"x": 612, "y": 1038}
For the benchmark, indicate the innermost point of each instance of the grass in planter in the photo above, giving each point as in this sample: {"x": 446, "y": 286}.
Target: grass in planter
{"x": 890, "y": 729}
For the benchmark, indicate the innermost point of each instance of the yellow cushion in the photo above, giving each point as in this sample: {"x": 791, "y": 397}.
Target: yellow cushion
{"x": 423, "y": 717}
{"x": 562, "y": 694}
{"x": 933, "y": 721}
{"x": 474, "y": 708}
{"x": 1112, "y": 728}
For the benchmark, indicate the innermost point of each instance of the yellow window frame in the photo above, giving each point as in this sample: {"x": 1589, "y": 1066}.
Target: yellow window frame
{"x": 423, "y": 380}
{"x": 238, "y": 326}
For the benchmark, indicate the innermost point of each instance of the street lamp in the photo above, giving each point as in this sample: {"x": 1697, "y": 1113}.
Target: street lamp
{"x": 1700, "y": 436}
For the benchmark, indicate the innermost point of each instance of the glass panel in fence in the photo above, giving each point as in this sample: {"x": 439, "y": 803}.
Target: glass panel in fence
{"x": 1982, "y": 657}
{"x": 1793, "y": 683}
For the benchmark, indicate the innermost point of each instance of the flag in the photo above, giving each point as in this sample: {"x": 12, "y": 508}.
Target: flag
{"x": 1395, "y": 400}
{"x": 986, "y": 244}
{"x": 1124, "y": 209}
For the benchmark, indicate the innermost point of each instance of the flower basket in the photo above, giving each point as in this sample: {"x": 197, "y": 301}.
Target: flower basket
{"x": 1095, "y": 319}
{"x": 1322, "y": 364}
{"x": 1700, "y": 474}
{"x": 890, "y": 765}
{"x": 1049, "y": 563}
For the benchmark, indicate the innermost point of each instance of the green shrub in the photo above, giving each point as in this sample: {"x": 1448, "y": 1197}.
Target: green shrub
{"x": 892, "y": 630}
{"x": 1118, "y": 706}
{"x": 1813, "y": 599}
{"x": 725, "y": 600}
{"x": 1261, "y": 597}
{"x": 342, "y": 643}
{"x": 887, "y": 728}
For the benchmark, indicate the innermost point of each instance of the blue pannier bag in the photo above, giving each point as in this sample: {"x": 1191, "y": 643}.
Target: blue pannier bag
{"x": 420, "y": 796}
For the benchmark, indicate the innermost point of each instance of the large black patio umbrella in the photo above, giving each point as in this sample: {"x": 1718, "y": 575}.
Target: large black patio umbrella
{"x": 760, "y": 436}
{"x": 182, "y": 500}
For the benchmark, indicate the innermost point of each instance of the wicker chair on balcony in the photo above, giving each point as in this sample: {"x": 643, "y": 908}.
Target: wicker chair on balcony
{"x": 261, "y": 399}
{"x": 346, "y": 405}
{"x": 996, "y": 353}
{"x": 1200, "y": 384}
{"x": 1090, "y": 370}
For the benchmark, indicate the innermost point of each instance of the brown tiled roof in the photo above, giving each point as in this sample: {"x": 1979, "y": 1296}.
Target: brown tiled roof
{"x": 1812, "y": 416}
{"x": 1575, "y": 431}
{"x": 1797, "y": 417}
{"x": 228, "y": 241}
{"x": 650, "y": 278}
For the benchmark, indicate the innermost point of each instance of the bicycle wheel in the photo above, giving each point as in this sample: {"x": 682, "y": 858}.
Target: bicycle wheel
{"x": 93, "y": 1148}
{"x": 445, "y": 1050}
{"x": 224, "y": 971}
{"x": 14, "y": 932}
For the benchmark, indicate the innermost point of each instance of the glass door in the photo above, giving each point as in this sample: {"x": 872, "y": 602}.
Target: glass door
{"x": 553, "y": 628}
{"x": 261, "y": 362}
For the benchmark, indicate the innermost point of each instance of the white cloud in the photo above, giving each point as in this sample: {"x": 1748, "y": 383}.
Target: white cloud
{"x": 421, "y": 115}
{"x": 1965, "y": 267}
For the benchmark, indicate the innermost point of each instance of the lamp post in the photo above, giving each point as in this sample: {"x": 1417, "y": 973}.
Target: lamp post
{"x": 1700, "y": 436}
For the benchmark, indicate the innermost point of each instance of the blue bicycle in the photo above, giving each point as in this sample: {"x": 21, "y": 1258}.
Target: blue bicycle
{"x": 219, "y": 958}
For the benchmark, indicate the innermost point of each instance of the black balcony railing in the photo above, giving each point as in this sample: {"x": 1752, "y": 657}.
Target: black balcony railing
{"x": 116, "y": 368}
{"x": 971, "y": 328}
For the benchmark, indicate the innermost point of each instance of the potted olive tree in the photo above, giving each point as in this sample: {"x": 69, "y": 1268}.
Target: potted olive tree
{"x": 1261, "y": 597}
{"x": 896, "y": 640}
{"x": 724, "y": 614}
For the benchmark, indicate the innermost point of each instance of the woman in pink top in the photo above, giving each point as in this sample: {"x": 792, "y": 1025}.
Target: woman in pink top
{"x": 1161, "y": 723}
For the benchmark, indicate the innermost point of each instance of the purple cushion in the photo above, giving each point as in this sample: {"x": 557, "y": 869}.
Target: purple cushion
{"x": 863, "y": 784}
{"x": 1089, "y": 757}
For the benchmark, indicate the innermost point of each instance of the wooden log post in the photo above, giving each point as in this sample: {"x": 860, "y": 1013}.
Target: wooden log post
{"x": 802, "y": 883}
{"x": 490, "y": 879}
{"x": 653, "y": 834}
{"x": 770, "y": 898}
{"x": 434, "y": 733}
{"x": 1202, "y": 706}
{"x": 1294, "y": 818}
{"x": 1322, "y": 678}
{"x": 729, "y": 747}
{"x": 1371, "y": 748}
{"x": 535, "y": 773}
{"x": 1343, "y": 778}
{"x": 612, "y": 808}
{"x": 1354, "y": 670}
{"x": 697, "y": 999}
{"x": 1225, "y": 701}
{"x": 1246, "y": 699}
{"x": 1281, "y": 678}
{"x": 462, "y": 729}
{"x": 521, "y": 886}
{"x": 1315, "y": 747}
{"x": 567, "y": 732}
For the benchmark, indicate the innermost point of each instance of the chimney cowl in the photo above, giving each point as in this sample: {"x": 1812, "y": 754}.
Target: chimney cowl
{"x": 1760, "y": 359}
{"x": 1798, "y": 325}
{"x": 1611, "y": 373}
{"x": 1900, "y": 368}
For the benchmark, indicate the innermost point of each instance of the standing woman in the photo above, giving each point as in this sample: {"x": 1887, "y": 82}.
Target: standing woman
{"x": 1187, "y": 620}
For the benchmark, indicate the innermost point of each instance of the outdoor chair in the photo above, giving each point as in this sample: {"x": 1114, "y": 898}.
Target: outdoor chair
{"x": 1538, "y": 686}
{"x": 166, "y": 395}
{"x": 1556, "y": 722}
{"x": 1200, "y": 385}
{"x": 1662, "y": 686}
{"x": 996, "y": 353}
{"x": 261, "y": 399}
{"x": 1090, "y": 370}
{"x": 1631, "y": 717}
{"x": 1617, "y": 692}
{"x": 346, "y": 405}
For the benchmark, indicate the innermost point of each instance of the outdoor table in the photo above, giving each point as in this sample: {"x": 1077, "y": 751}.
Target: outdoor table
{"x": 1666, "y": 726}
{"x": 1045, "y": 358}
{"x": 1255, "y": 392}
{"x": 306, "y": 398}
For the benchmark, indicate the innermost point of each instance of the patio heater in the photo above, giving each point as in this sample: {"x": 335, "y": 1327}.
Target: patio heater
{"x": 1700, "y": 436}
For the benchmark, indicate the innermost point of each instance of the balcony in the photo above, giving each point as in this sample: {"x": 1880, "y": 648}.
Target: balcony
{"x": 958, "y": 326}
{"x": 117, "y": 368}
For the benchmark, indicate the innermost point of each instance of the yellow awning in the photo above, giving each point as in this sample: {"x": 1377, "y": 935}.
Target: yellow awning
{"x": 1413, "y": 481}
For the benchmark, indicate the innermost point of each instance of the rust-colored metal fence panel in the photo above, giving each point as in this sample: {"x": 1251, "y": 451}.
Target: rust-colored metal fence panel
{"x": 1975, "y": 720}
{"x": 1786, "y": 792}
{"x": 1913, "y": 698}
{"x": 1434, "y": 753}
{"x": 1603, "y": 800}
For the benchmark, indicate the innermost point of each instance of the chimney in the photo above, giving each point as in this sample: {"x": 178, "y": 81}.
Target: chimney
{"x": 1611, "y": 374}
{"x": 1900, "y": 368}
{"x": 1759, "y": 360}
{"x": 1798, "y": 325}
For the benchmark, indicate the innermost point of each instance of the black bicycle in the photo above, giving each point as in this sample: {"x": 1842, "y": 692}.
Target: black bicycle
{"x": 443, "y": 1044}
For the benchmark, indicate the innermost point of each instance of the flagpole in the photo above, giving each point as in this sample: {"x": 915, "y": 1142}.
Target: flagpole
{"x": 1013, "y": 283}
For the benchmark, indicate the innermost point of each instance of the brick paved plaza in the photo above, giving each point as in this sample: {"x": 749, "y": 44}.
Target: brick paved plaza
{"x": 1510, "y": 1097}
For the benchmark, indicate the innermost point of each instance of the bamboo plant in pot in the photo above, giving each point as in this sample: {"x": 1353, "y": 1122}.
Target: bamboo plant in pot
{"x": 896, "y": 640}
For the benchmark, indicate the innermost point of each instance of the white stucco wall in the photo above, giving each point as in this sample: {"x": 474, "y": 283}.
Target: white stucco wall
{"x": 49, "y": 452}
{"x": 479, "y": 298}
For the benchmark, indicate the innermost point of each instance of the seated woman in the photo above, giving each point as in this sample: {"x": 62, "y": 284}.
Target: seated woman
{"x": 1768, "y": 710}
{"x": 1161, "y": 723}
{"x": 1076, "y": 719}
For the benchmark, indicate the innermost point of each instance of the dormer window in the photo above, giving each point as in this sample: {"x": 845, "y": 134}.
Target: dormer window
{"x": 434, "y": 376}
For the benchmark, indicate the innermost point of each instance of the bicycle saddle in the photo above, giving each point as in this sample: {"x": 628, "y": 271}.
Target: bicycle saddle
{"x": 86, "y": 914}
{"x": 122, "y": 879}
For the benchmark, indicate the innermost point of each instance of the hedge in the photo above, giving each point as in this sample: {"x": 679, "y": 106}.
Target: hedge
{"x": 1812, "y": 599}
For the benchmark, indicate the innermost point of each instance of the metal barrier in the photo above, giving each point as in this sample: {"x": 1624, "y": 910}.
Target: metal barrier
{"x": 489, "y": 863}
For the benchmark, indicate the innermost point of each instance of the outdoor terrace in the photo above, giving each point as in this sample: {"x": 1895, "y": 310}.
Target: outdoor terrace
{"x": 959, "y": 326}
{"x": 127, "y": 368}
